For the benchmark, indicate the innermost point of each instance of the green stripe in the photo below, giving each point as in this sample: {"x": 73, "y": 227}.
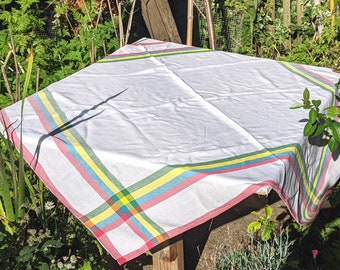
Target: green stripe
{"x": 148, "y": 55}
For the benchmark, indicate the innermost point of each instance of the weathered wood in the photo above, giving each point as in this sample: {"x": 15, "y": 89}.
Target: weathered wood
{"x": 159, "y": 20}
{"x": 169, "y": 258}
{"x": 332, "y": 9}
{"x": 210, "y": 24}
{"x": 190, "y": 21}
{"x": 287, "y": 21}
{"x": 272, "y": 16}
{"x": 299, "y": 14}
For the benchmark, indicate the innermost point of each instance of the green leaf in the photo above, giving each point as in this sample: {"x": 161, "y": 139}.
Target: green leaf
{"x": 332, "y": 111}
{"x": 320, "y": 129}
{"x": 255, "y": 226}
{"x": 306, "y": 95}
{"x": 43, "y": 266}
{"x": 306, "y": 104}
{"x": 269, "y": 211}
{"x": 335, "y": 127}
{"x": 309, "y": 129}
{"x": 313, "y": 115}
{"x": 337, "y": 85}
{"x": 52, "y": 243}
{"x": 86, "y": 266}
{"x": 316, "y": 103}
{"x": 26, "y": 254}
{"x": 296, "y": 106}
{"x": 333, "y": 144}
{"x": 266, "y": 233}
{"x": 99, "y": 247}
{"x": 255, "y": 214}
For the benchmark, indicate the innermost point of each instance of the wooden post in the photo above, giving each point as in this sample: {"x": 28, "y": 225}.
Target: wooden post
{"x": 272, "y": 15}
{"x": 159, "y": 20}
{"x": 190, "y": 22}
{"x": 332, "y": 8}
{"x": 169, "y": 258}
{"x": 210, "y": 24}
{"x": 318, "y": 23}
{"x": 299, "y": 14}
{"x": 287, "y": 21}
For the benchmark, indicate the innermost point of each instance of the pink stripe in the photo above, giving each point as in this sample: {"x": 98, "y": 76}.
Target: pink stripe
{"x": 310, "y": 206}
{"x": 195, "y": 178}
{"x": 148, "y": 43}
{"x": 315, "y": 74}
{"x": 38, "y": 169}
{"x": 227, "y": 206}
{"x": 107, "y": 244}
{"x": 212, "y": 214}
{"x": 66, "y": 153}
{"x": 157, "y": 43}
{"x": 246, "y": 193}
{"x": 188, "y": 182}
{"x": 81, "y": 170}
{"x": 324, "y": 173}
{"x": 151, "y": 51}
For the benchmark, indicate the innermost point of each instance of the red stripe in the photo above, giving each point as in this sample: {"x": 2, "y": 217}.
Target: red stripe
{"x": 66, "y": 153}
{"x": 81, "y": 170}
{"x": 38, "y": 169}
{"x": 315, "y": 74}
{"x": 152, "y": 51}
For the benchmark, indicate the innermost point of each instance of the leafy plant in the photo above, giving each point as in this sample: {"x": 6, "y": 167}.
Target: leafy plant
{"x": 316, "y": 245}
{"x": 262, "y": 255}
{"x": 263, "y": 222}
{"x": 323, "y": 124}
{"x": 315, "y": 47}
{"x": 16, "y": 182}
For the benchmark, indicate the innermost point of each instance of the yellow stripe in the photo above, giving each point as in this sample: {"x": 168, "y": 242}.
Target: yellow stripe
{"x": 164, "y": 179}
{"x": 151, "y": 229}
{"x": 299, "y": 161}
{"x": 180, "y": 170}
{"x": 322, "y": 84}
{"x": 155, "y": 54}
{"x": 108, "y": 212}
{"x": 80, "y": 150}
{"x": 122, "y": 58}
{"x": 312, "y": 196}
{"x": 103, "y": 215}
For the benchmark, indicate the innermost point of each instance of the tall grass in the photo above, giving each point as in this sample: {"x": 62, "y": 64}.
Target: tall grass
{"x": 16, "y": 188}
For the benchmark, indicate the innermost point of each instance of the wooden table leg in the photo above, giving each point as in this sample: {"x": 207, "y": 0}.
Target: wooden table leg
{"x": 169, "y": 258}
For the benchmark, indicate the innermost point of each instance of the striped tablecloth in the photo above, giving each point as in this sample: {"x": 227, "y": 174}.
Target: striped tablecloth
{"x": 159, "y": 137}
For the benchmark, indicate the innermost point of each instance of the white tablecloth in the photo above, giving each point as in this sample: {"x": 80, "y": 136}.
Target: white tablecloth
{"x": 159, "y": 137}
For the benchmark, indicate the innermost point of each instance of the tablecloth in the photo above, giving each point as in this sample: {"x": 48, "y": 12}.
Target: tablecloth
{"x": 160, "y": 137}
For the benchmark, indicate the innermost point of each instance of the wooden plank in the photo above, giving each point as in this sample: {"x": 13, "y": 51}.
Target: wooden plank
{"x": 159, "y": 20}
{"x": 170, "y": 257}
